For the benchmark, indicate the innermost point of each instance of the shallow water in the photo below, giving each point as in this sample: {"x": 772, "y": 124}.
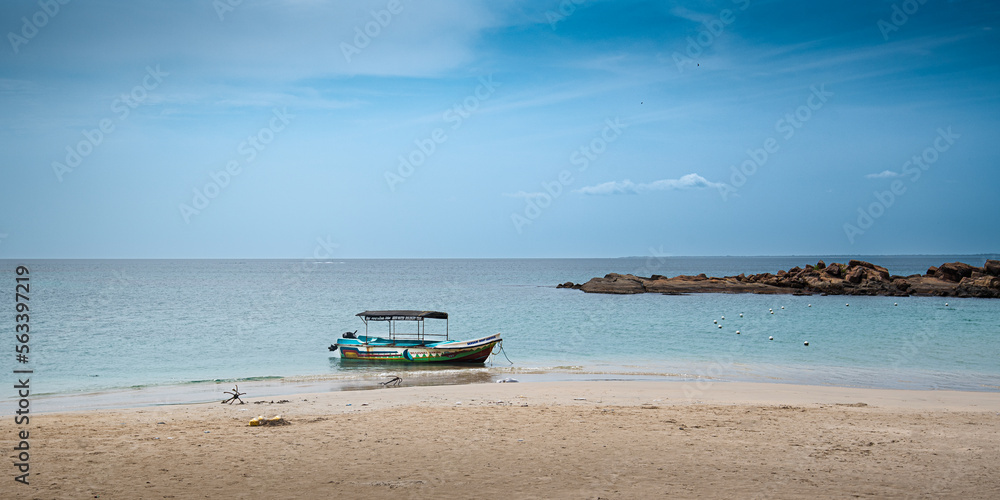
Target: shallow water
{"x": 117, "y": 324}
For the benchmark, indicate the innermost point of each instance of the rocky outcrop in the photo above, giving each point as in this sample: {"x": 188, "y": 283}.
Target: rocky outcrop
{"x": 954, "y": 279}
{"x": 615, "y": 283}
{"x": 992, "y": 267}
{"x": 954, "y": 271}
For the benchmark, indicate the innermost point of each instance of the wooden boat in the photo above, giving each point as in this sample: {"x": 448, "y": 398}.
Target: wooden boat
{"x": 412, "y": 347}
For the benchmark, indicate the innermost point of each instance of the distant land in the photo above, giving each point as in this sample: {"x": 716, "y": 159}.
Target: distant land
{"x": 954, "y": 279}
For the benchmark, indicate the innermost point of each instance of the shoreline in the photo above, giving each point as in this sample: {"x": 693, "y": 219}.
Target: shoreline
{"x": 209, "y": 392}
{"x": 625, "y": 439}
{"x": 693, "y": 391}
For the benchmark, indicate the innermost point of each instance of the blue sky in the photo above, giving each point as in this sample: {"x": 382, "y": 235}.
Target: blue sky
{"x": 307, "y": 128}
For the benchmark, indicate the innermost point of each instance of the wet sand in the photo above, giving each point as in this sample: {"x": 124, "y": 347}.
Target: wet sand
{"x": 631, "y": 439}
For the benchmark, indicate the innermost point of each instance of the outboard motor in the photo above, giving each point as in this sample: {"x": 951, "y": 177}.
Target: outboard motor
{"x": 332, "y": 348}
{"x": 350, "y": 335}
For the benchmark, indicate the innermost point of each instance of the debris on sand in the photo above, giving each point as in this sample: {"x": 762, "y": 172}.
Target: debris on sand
{"x": 276, "y": 420}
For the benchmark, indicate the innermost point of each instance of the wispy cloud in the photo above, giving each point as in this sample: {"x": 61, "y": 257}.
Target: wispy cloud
{"x": 690, "y": 15}
{"x": 885, "y": 174}
{"x": 522, "y": 194}
{"x": 13, "y": 86}
{"x": 689, "y": 181}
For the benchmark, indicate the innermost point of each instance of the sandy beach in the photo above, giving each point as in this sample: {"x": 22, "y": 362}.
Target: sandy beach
{"x": 630, "y": 439}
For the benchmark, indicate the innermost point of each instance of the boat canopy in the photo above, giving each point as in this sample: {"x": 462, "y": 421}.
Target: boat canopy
{"x": 418, "y": 316}
{"x": 401, "y": 315}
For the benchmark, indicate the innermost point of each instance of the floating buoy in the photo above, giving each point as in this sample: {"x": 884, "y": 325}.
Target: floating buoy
{"x": 772, "y": 312}
{"x": 715, "y": 322}
{"x": 770, "y": 338}
{"x": 895, "y": 303}
{"x": 847, "y": 305}
{"x": 782, "y": 307}
{"x": 741, "y": 315}
{"x": 720, "y": 326}
{"x": 810, "y": 305}
{"x": 725, "y": 317}
{"x": 806, "y": 343}
{"x": 946, "y": 304}
{"x": 737, "y": 332}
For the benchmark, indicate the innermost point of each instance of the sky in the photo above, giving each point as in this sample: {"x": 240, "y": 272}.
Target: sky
{"x": 498, "y": 129}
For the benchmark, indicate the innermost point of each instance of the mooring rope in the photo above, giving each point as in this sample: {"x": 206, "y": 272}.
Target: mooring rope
{"x": 493, "y": 354}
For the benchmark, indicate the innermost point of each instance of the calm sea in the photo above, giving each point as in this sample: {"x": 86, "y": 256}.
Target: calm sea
{"x": 177, "y": 325}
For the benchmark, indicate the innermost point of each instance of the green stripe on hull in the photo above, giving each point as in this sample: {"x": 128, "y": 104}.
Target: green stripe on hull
{"x": 476, "y": 354}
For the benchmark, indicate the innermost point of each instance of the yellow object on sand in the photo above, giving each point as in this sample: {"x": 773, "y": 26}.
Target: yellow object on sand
{"x": 260, "y": 420}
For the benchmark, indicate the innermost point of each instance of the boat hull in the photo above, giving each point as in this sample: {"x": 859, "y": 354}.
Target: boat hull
{"x": 474, "y": 351}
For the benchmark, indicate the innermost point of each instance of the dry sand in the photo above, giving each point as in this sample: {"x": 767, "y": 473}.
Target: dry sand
{"x": 529, "y": 440}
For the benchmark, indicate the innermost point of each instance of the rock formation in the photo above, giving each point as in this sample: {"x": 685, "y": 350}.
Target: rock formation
{"x": 954, "y": 279}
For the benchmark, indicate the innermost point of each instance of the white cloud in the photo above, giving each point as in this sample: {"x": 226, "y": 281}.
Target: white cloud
{"x": 612, "y": 187}
{"x": 885, "y": 174}
{"x": 689, "y": 181}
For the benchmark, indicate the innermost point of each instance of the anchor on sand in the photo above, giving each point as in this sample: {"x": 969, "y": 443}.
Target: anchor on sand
{"x": 235, "y": 393}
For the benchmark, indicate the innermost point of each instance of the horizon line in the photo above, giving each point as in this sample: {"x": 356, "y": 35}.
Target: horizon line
{"x": 984, "y": 254}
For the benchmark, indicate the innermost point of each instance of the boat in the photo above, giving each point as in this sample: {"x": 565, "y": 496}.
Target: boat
{"x": 418, "y": 346}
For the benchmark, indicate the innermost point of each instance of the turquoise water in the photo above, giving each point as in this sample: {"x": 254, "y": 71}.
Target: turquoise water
{"x": 106, "y": 325}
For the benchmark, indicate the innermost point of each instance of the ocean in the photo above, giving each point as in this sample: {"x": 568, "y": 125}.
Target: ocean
{"x": 176, "y": 331}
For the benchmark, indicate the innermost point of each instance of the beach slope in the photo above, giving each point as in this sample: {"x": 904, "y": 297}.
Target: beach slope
{"x": 630, "y": 439}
